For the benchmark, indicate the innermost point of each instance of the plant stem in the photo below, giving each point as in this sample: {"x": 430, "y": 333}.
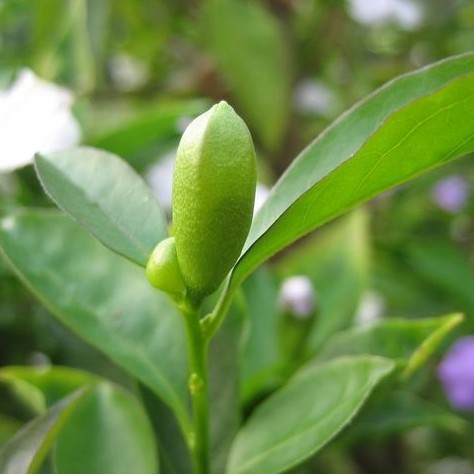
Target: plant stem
{"x": 199, "y": 390}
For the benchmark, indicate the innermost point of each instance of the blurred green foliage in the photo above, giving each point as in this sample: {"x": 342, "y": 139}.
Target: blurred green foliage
{"x": 139, "y": 69}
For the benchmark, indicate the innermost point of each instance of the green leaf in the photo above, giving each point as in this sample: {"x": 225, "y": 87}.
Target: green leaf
{"x": 303, "y": 416}
{"x": 107, "y": 197}
{"x": 25, "y": 452}
{"x": 253, "y": 57}
{"x": 225, "y": 416}
{"x": 103, "y": 298}
{"x": 154, "y": 125}
{"x": 410, "y": 342}
{"x": 411, "y": 125}
{"x": 54, "y": 383}
{"x": 107, "y": 432}
{"x": 336, "y": 260}
{"x": 444, "y": 266}
{"x": 260, "y": 351}
{"x": 401, "y": 412}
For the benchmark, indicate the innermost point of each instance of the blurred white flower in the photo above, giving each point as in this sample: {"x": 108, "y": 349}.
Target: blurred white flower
{"x": 297, "y": 296}
{"x": 370, "y": 310}
{"x": 127, "y": 72}
{"x": 35, "y": 116}
{"x": 405, "y": 13}
{"x": 314, "y": 97}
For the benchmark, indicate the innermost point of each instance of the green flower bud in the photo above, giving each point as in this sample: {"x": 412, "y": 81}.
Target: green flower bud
{"x": 163, "y": 270}
{"x": 213, "y": 197}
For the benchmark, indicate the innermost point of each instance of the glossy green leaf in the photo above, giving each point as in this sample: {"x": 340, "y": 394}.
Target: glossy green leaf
{"x": 105, "y": 195}
{"x": 8, "y": 427}
{"x": 304, "y": 415}
{"x": 25, "y": 452}
{"x": 408, "y": 341}
{"x": 411, "y": 125}
{"x": 107, "y": 432}
{"x": 103, "y": 298}
{"x": 253, "y": 58}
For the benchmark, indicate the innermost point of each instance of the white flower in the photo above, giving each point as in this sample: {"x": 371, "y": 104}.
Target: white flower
{"x": 128, "y": 73}
{"x": 370, "y": 310}
{"x": 297, "y": 296}
{"x": 405, "y": 13}
{"x": 35, "y": 116}
{"x": 313, "y": 97}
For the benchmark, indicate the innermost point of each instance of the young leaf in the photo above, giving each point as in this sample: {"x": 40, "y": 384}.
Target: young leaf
{"x": 411, "y": 125}
{"x": 304, "y": 415}
{"x": 105, "y": 299}
{"x": 25, "y": 452}
{"x": 107, "y": 197}
{"x": 253, "y": 58}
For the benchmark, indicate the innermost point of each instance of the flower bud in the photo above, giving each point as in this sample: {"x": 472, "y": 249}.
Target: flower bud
{"x": 163, "y": 270}
{"x": 213, "y": 196}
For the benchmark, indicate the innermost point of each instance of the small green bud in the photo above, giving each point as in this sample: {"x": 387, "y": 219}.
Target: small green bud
{"x": 163, "y": 270}
{"x": 213, "y": 197}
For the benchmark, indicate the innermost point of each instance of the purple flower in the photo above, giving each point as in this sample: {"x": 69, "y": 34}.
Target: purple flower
{"x": 456, "y": 373}
{"x": 451, "y": 193}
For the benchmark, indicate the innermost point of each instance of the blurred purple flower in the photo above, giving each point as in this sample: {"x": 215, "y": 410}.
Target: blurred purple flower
{"x": 456, "y": 373}
{"x": 451, "y": 193}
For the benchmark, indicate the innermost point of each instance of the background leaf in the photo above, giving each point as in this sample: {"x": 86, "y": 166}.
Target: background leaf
{"x": 25, "y": 452}
{"x": 103, "y": 298}
{"x": 336, "y": 259}
{"x": 407, "y": 341}
{"x": 253, "y": 58}
{"x": 382, "y": 142}
{"x": 107, "y": 432}
{"x": 303, "y": 416}
{"x": 107, "y": 197}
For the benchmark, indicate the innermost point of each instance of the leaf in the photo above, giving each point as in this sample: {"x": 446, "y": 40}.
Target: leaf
{"x": 336, "y": 259}
{"x": 303, "y": 416}
{"x": 107, "y": 432}
{"x": 401, "y": 412}
{"x": 411, "y": 125}
{"x": 103, "y": 298}
{"x": 107, "y": 197}
{"x": 444, "y": 266}
{"x": 25, "y": 452}
{"x": 225, "y": 416}
{"x": 174, "y": 455}
{"x": 260, "y": 351}
{"x": 53, "y": 383}
{"x": 253, "y": 57}
{"x": 156, "y": 124}
{"x": 408, "y": 341}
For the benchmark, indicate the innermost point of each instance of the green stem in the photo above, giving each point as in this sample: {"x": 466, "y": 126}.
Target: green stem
{"x": 199, "y": 390}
